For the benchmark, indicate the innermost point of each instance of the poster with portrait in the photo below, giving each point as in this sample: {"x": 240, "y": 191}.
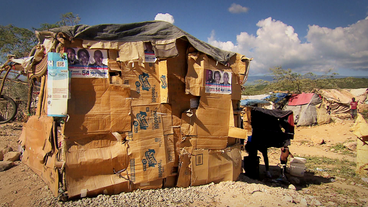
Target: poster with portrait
{"x": 149, "y": 54}
{"x": 218, "y": 81}
{"x": 85, "y": 63}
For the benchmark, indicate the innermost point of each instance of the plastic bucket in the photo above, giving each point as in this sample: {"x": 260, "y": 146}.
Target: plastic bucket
{"x": 297, "y": 166}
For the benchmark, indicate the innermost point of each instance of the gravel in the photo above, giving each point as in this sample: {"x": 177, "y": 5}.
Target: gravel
{"x": 239, "y": 192}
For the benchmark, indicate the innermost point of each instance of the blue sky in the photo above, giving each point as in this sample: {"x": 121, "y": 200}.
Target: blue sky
{"x": 305, "y": 36}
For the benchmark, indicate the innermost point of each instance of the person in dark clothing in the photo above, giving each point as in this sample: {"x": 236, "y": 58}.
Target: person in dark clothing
{"x": 252, "y": 149}
{"x": 285, "y": 152}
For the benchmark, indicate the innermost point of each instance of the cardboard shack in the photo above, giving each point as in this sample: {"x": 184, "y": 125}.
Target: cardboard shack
{"x": 134, "y": 106}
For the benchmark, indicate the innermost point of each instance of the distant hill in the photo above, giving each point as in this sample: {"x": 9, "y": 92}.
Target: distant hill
{"x": 252, "y": 79}
{"x": 254, "y": 87}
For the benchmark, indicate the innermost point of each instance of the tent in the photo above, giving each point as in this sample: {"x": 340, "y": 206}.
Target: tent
{"x": 134, "y": 106}
{"x": 336, "y": 99}
{"x": 307, "y": 109}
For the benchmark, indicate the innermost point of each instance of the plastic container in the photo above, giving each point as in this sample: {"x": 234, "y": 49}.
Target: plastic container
{"x": 297, "y": 166}
{"x": 298, "y": 160}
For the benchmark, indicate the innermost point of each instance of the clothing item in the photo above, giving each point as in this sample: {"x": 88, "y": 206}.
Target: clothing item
{"x": 353, "y": 112}
{"x": 271, "y": 128}
{"x": 353, "y": 105}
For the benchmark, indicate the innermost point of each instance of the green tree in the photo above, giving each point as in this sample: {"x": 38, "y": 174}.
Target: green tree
{"x": 293, "y": 82}
{"x": 287, "y": 80}
{"x": 68, "y": 19}
{"x": 16, "y": 41}
{"x": 20, "y": 41}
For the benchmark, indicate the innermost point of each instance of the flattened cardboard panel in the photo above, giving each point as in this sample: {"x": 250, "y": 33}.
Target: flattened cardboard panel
{"x": 177, "y": 69}
{"x": 112, "y": 60}
{"x": 194, "y": 77}
{"x": 234, "y": 152}
{"x": 147, "y": 160}
{"x": 238, "y": 133}
{"x": 92, "y": 44}
{"x": 96, "y": 107}
{"x": 213, "y": 115}
{"x": 184, "y": 169}
{"x": 37, "y": 132}
{"x": 246, "y": 118}
{"x": 144, "y": 84}
{"x": 235, "y": 132}
{"x": 170, "y": 153}
{"x": 240, "y": 64}
{"x": 94, "y": 185}
{"x": 131, "y": 51}
{"x": 149, "y": 185}
{"x": 199, "y": 167}
{"x": 95, "y": 161}
{"x": 211, "y": 142}
{"x": 188, "y": 127}
{"x": 220, "y": 167}
{"x": 147, "y": 122}
{"x": 199, "y": 62}
{"x": 164, "y": 90}
{"x": 215, "y": 165}
{"x": 120, "y": 108}
{"x": 166, "y": 114}
{"x": 236, "y": 87}
{"x": 177, "y": 141}
{"x": 99, "y": 156}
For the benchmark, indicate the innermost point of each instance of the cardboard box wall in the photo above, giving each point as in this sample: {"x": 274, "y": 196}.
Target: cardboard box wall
{"x": 98, "y": 108}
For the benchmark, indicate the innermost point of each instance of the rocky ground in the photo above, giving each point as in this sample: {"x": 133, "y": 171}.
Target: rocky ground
{"x": 328, "y": 181}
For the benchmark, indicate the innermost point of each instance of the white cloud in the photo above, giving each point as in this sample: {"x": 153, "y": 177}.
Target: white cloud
{"x": 229, "y": 46}
{"x": 236, "y": 8}
{"x": 277, "y": 44}
{"x": 165, "y": 17}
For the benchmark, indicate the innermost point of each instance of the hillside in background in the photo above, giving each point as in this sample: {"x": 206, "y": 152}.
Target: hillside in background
{"x": 265, "y": 84}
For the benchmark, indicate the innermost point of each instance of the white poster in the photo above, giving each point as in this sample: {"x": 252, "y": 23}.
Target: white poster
{"x": 218, "y": 82}
{"x": 85, "y": 63}
{"x": 57, "y": 84}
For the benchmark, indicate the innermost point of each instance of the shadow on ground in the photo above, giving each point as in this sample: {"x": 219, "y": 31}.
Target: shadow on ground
{"x": 276, "y": 180}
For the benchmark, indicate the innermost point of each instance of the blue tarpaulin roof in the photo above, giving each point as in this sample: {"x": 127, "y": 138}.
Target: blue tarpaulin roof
{"x": 279, "y": 96}
{"x": 252, "y": 102}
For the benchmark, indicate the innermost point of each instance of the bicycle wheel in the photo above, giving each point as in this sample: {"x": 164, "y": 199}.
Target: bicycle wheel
{"x": 8, "y": 109}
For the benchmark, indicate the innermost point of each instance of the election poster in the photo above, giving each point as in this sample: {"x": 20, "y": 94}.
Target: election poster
{"x": 85, "y": 63}
{"x": 218, "y": 81}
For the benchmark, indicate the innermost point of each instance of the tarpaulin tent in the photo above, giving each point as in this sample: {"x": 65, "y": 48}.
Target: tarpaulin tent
{"x": 307, "y": 109}
{"x": 337, "y": 99}
{"x": 134, "y": 106}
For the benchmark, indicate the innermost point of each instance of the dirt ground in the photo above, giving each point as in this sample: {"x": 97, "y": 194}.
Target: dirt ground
{"x": 19, "y": 186}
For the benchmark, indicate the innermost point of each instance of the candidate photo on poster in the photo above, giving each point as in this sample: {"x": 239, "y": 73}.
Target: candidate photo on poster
{"x": 98, "y": 58}
{"x": 83, "y": 57}
{"x": 226, "y": 79}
